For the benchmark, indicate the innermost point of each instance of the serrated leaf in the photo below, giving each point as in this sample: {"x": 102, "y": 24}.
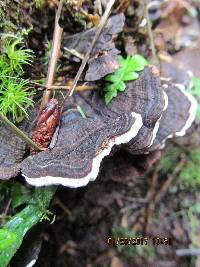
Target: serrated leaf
{"x": 121, "y": 86}
{"x": 109, "y": 96}
{"x": 111, "y": 78}
{"x": 137, "y": 63}
{"x": 131, "y": 76}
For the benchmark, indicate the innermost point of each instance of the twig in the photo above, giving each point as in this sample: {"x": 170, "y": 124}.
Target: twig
{"x": 169, "y": 180}
{"x": 188, "y": 252}
{"x": 62, "y": 206}
{"x": 131, "y": 207}
{"x": 87, "y": 55}
{"x": 152, "y": 193}
{"x": 74, "y": 53}
{"x": 79, "y": 88}
{"x": 156, "y": 198}
{"x": 99, "y": 7}
{"x": 19, "y": 132}
{"x": 66, "y": 87}
{"x": 149, "y": 28}
{"x": 54, "y": 55}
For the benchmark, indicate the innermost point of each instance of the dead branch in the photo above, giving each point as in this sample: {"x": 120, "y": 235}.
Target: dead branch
{"x": 54, "y": 55}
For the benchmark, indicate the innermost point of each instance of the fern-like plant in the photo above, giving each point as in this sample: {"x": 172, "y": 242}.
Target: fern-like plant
{"x": 127, "y": 72}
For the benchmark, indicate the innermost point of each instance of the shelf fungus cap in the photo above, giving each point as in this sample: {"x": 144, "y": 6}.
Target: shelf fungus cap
{"x": 178, "y": 117}
{"x": 12, "y": 151}
{"x": 140, "y": 119}
{"x": 152, "y": 114}
{"x": 83, "y": 143}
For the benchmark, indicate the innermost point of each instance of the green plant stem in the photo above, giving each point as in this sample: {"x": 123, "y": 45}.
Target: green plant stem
{"x": 19, "y": 132}
{"x": 24, "y": 221}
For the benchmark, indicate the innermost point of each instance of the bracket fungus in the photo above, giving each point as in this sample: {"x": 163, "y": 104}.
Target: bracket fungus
{"x": 104, "y": 56}
{"x": 140, "y": 119}
{"x": 12, "y": 151}
{"x": 178, "y": 117}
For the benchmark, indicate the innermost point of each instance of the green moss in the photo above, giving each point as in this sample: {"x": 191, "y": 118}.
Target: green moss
{"x": 133, "y": 251}
{"x": 195, "y": 90}
{"x": 15, "y": 96}
{"x": 193, "y": 216}
{"x": 190, "y": 173}
{"x": 170, "y": 159}
{"x": 39, "y": 3}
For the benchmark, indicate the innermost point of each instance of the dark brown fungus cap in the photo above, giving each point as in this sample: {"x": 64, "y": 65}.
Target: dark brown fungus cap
{"x": 175, "y": 74}
{"x": 151, "y": 114}
{"x": 104, "y": 56}
{"x": 83, "y": 143}
{"x": 12, "y": 151}
{"x": 178, "y": 117}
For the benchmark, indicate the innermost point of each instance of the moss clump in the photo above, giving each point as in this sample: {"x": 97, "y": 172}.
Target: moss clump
{"x": 14, "y": 92}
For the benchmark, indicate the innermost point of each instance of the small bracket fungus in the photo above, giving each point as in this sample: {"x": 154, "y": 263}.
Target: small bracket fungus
{"x": 104, "y": 56}
{"x": 135, "y": 119}
{"x": 178, "y": 117}
{"x": 12, "y": 151}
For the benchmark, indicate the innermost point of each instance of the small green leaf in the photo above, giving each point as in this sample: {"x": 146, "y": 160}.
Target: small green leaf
{"x": 137, "y": 63}
{"x": 80, "y": 110}
{"x": 121, "y": 86}
{"x": 196, "y": 86}
{"x": 131, "y": 76}
{"x": 111, "y": 78}
{"x": 198, "y": 111}
{"x": 109, "y": 96}
{"x": 127, "y": 72}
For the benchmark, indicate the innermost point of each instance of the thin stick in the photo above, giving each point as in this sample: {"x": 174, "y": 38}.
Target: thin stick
{"x": 149, "y": 28}
{"x": 151, "y": 205}
{"x": 87, "y": 55}
{"x": 170, "y": 178}
{"x": 66, "y": 87}
{"x": 20, "y": 133}
{"x": 188, "y": 252}
{"x": 74, "y": 53}
{"x": 79, "y": 88}
{"x": 54, "y": 55}
{"x": 99, "y": 7}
